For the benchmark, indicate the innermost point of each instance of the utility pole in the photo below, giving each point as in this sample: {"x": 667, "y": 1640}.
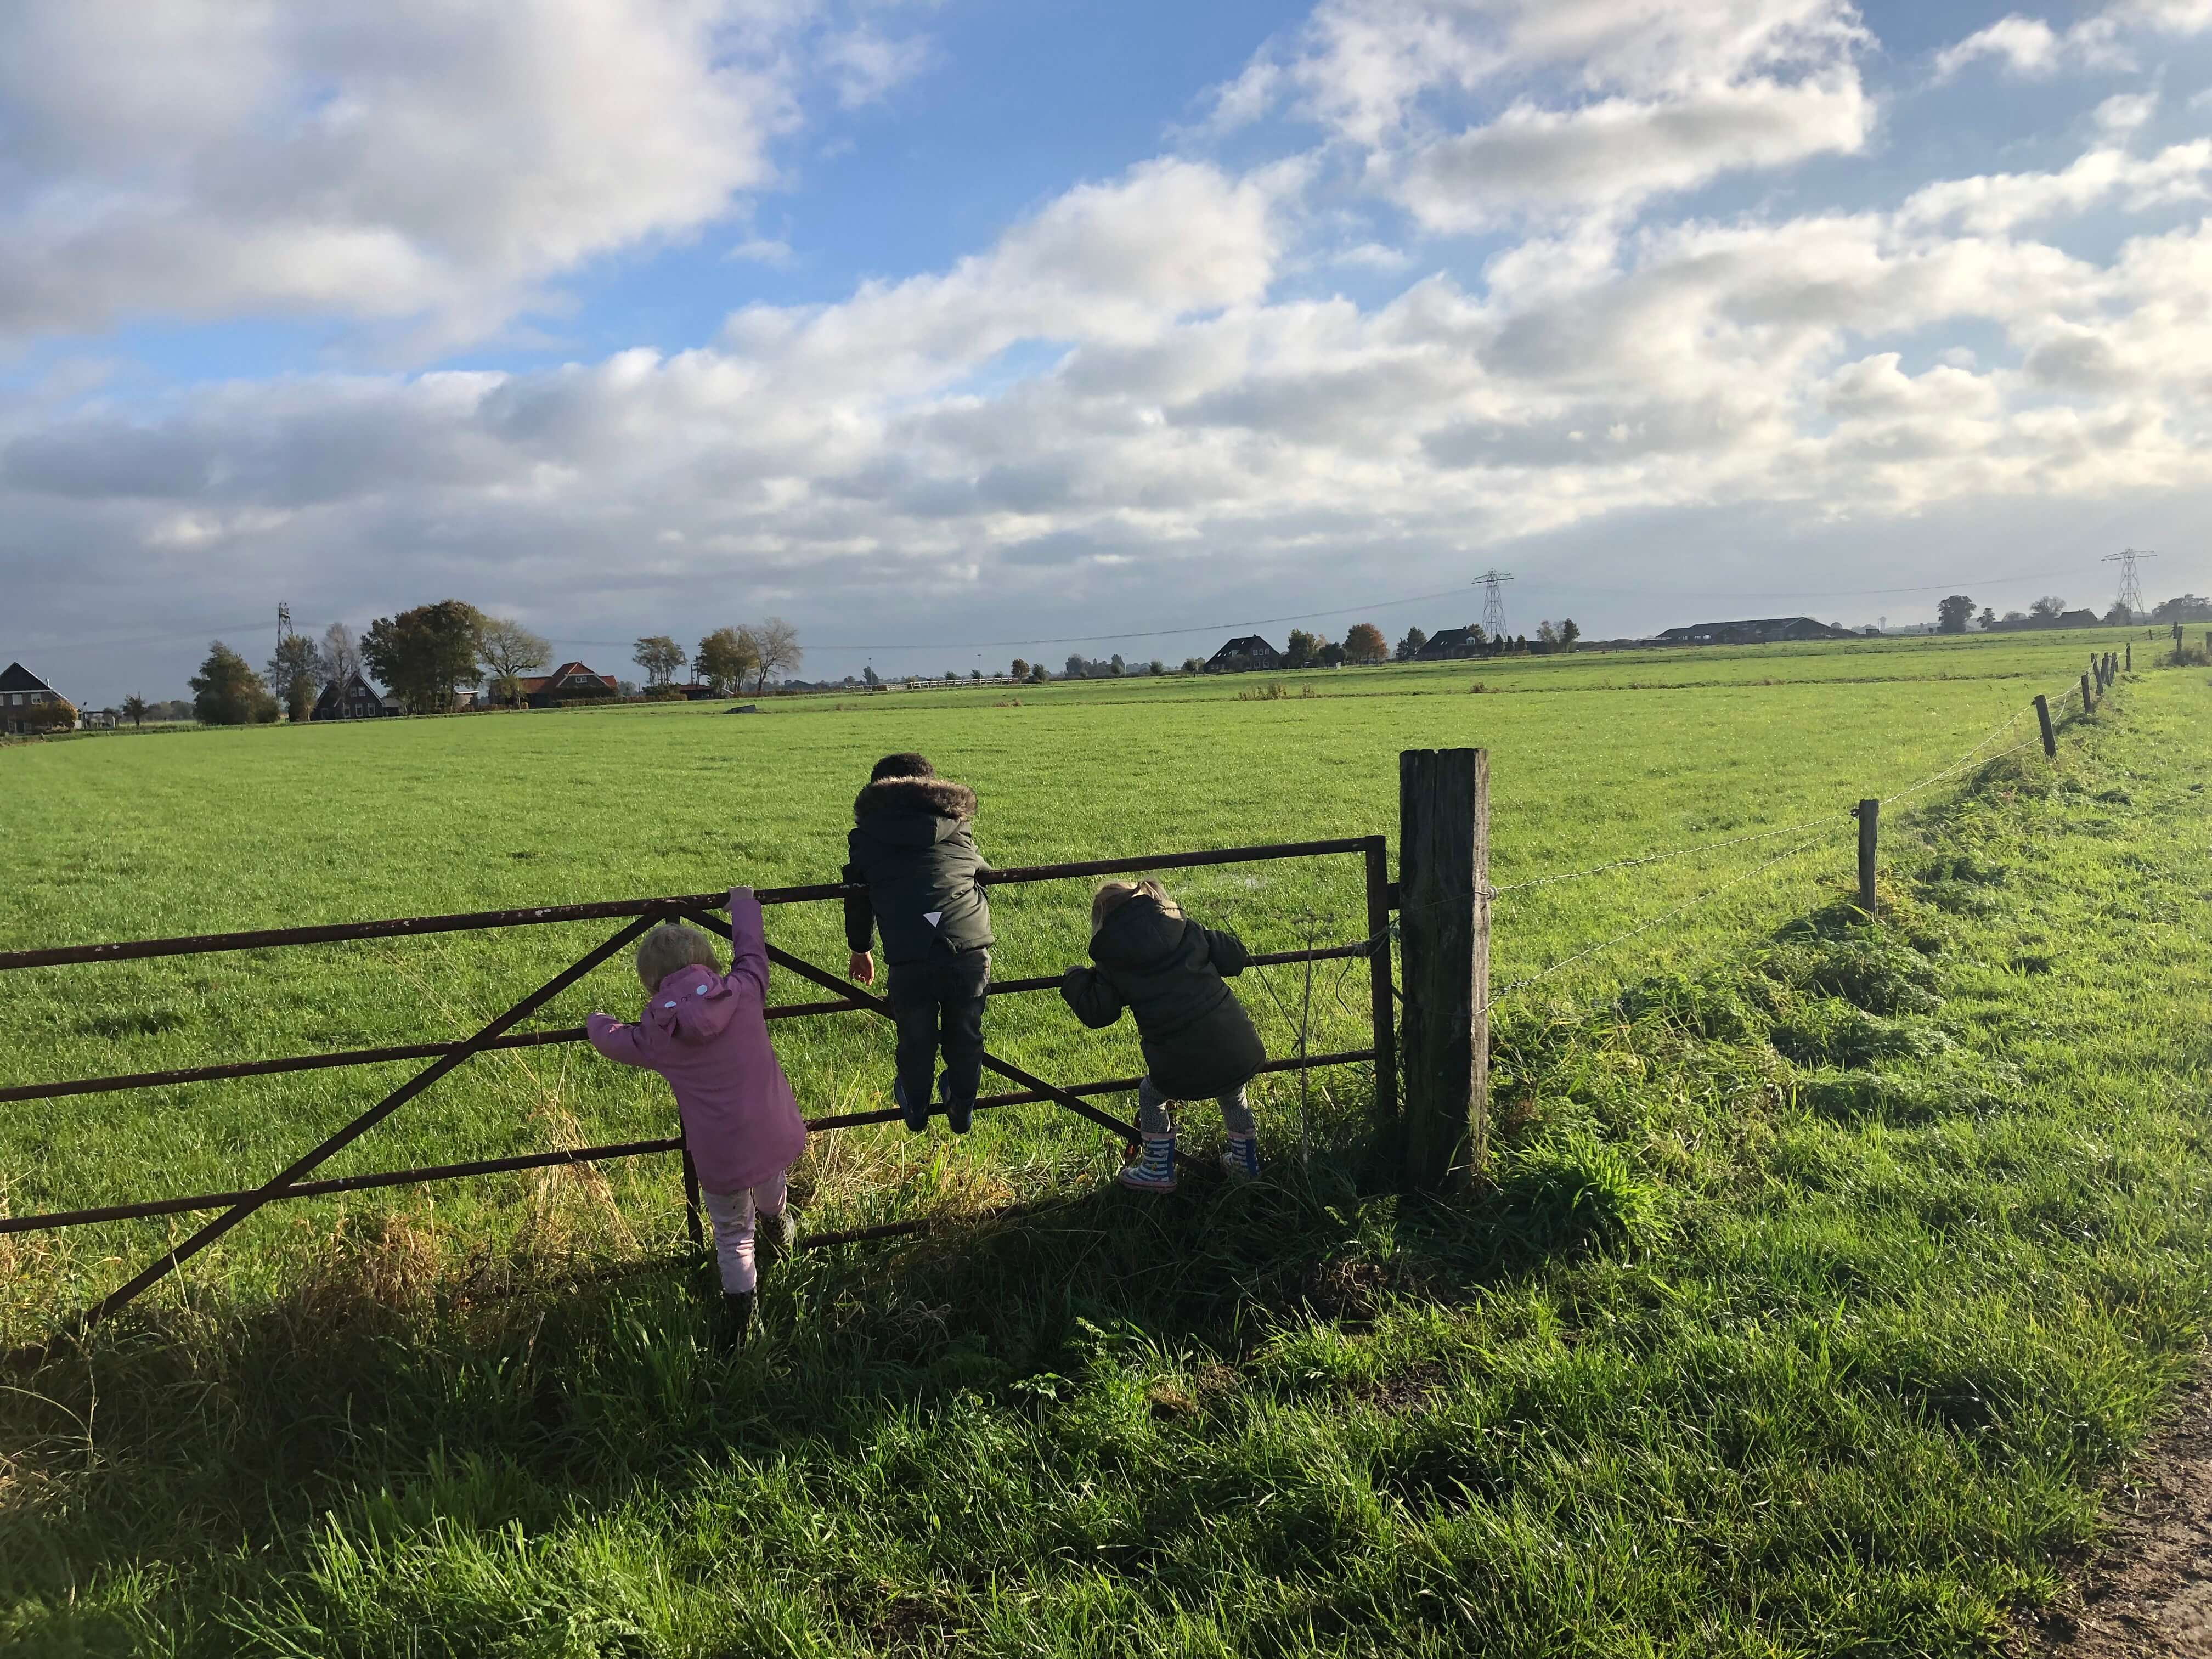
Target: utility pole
{"x": 2131, "y": 584}
{"x": 1493, "y": 603}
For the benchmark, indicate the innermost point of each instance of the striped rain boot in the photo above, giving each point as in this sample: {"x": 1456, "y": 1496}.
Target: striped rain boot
{"x": 1241, "y": 1161}
{"x": 1154, "y": 1170}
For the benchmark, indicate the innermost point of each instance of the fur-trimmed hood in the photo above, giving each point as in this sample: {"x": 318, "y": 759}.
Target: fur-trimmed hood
{"x": 938, "y": 797}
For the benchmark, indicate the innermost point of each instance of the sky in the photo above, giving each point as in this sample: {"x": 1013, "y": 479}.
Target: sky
{"x": 960, "y": 331}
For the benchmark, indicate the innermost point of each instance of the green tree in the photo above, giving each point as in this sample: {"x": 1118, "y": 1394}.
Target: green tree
{"x": 660, "y": 657}
{"x": 1304, "y": 650}
{"x": 1021, "y": 670}
{"x": 425, "y": 654}
{"x": 1410, "y": 647}
{"x": 1570, "y": 631}
{"x": 134, "y": 709}
{"x": 293, "y": 675}
{"x": 1193, "y": 665}
{"x": 725, "y": 657}
{"x": 508, "y": 651}
{"x": 1039, "y": 673}
{"x": 1953, "y": 613}
{"x": 227, "y": 692}
{"x": 54, "y": 714}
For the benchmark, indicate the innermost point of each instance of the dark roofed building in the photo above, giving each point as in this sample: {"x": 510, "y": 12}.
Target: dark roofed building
{"x": 356, "y": 700}
{"x": 570, "y": 680}
{"x": 1452, "y": 642}
{"x": 21, "y": 691}
{"x": 1766, "y": 631}
{"x": 1242, "y": 654}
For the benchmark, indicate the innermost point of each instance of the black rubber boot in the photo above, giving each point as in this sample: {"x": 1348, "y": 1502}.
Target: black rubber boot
{"x": 776, "y": 1237}
{"x": 958, "y": 1118}
{"x": 737, "y": 1320}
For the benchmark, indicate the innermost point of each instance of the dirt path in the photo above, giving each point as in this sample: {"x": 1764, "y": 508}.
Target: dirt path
{"x": 2148, "y": 1594}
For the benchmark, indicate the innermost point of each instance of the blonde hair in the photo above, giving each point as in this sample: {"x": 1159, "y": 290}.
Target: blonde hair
{"x": 1112, "y": 894}
{"x": 669, "y": 949}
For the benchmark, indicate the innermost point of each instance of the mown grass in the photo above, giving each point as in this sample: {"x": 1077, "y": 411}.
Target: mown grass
{"x": 1817, "y": 1279}
{"x": 118, "y": 839}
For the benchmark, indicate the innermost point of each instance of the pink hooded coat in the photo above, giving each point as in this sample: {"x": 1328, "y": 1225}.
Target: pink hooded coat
{"x": 706, "y": 1036}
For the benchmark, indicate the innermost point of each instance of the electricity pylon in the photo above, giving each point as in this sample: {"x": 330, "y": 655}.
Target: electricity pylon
{"x": 2130, "y": 585}
{"x": 1493, "y": 603}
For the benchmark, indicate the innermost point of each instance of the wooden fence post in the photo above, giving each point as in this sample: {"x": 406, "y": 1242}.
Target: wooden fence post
{"x": 2088, "y": 701}
{"x": 1444, "y": 932}
{"x": 2042, "y": 719}
{"x": 1868, "y": 813}
{"x": 2130, "y": 664}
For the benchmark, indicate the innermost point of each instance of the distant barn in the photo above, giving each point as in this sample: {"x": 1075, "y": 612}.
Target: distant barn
{"x": 21, "y": 691}
{"x": 355, "y": 700}
{"x": 569, "y": 680}
{"x": 1243, "y": 655}
{"x": 1766, "y": 631}
{"x": 1451, "y": 643}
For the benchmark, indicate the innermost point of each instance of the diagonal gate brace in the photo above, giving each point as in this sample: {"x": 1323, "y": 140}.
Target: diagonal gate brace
{"x": 1006, "y": 1069}
{"x": 156, "y": 1271}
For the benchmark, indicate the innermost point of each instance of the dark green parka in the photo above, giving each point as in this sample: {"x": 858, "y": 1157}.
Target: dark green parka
{"x": 910, "y": 848}
{"x": 1167, "y": 970}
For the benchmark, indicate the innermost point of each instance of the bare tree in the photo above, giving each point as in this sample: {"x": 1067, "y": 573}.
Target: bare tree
{"x": 775, "y": 648}
{"x": 338, "y": 658}
{"x": 508, "y": 651}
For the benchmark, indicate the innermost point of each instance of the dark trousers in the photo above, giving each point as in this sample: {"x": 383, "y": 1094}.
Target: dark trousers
{"x": 938, "y": 1002}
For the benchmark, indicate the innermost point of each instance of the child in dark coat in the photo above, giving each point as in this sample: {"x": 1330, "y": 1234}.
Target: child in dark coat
{"x": 910, "y": 847}
{"x": 1197, "y": 1039}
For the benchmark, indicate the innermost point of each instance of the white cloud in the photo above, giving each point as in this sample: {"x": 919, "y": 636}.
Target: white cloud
{"x": 865, "y": 63}
{"x": 1605, "y": 102}
{"x": 1992, "y": 203}
{"x": 1144, "y": 386}
{"x": 434, "y": 159}
{"x": 2031, "y": 49}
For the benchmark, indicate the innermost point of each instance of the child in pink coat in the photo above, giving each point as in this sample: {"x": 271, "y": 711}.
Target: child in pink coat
{"x": 707, "y": 1033}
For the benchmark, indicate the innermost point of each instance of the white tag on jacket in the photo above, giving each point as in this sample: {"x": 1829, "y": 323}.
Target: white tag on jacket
{"x": 933, "y": 917}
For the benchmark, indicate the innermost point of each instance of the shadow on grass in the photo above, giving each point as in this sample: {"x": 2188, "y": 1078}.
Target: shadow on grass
{"x": 379, "y": 1369}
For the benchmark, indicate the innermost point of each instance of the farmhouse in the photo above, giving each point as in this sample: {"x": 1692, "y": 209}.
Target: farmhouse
{"x": 21, "y": 691}
{"x": 2063, "y": 619}
{"x": 356, "y": 700}
{"x": 1451, "y": 643}
{"x": 1242, "y": 654}
{"x": 1766, "y": 630}
{"x": 570, "y": 680}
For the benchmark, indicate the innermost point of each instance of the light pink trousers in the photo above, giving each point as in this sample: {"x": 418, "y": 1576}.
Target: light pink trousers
{"x": 732, "y": 1215}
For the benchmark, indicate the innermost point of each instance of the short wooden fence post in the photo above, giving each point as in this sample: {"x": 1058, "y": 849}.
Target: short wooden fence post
{"x": 2130, "y": 664}
{"x": 1868, "y": 813}
{"x": 2042, "y": 719}
{"x": 2088, "y": 698}
{"x": 1444, "y": 932}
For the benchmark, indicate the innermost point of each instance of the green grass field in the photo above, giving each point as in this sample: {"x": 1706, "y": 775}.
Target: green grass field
{"x": 1822, "y": 1269}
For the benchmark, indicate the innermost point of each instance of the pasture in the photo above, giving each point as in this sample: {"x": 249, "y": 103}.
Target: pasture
{"x": 1824, "y": 1266}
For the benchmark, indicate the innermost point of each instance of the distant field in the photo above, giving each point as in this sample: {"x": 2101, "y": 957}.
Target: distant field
{"x": 1821, "y": 1272}
{"x": 128, "y": 837}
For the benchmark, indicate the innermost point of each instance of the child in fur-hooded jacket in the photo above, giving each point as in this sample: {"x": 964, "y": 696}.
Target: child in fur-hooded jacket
{"x": 912, "y": 852}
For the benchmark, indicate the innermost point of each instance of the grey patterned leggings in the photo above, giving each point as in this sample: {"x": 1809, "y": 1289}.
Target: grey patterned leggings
{"x": 1152, "y": 1110}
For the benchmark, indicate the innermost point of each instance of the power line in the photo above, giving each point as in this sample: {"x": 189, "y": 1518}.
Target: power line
{"x": 1382, "y": 604}
{"x": 1616, "y": 592}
